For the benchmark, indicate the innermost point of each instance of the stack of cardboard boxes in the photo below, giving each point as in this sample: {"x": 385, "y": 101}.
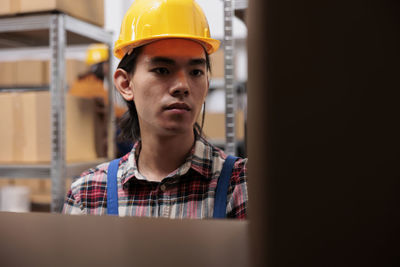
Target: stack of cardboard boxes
{"x": 25, "y": 131}
{"x": 25, "y": 134}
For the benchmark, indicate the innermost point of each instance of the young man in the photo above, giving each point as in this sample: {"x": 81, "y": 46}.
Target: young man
{"x": 172, "y": 171}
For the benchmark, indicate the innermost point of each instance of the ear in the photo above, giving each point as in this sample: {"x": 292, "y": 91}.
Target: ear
{"x": 122, "y": 81}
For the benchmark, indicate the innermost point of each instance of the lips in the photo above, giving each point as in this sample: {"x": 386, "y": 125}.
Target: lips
{"x": 180, "y": 105}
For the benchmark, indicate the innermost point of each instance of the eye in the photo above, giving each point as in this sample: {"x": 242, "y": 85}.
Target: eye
{"x": 196, "y": 72}
{"x": 161, "y": 71}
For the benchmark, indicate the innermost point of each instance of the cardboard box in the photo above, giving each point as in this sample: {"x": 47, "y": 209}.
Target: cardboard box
{"x": 24, "y": 73}
{"x": 25, "y": 133}
{"x": 37, "y": 72}
{"x": 6, "y": 127}
{"x": 217, "y": 64}
{"x": 5, "y": 7}
{"x": 9, "y": 7}
{"x": 73, "y": 68}
{"x": 32, "y": 126}
{"x": 31, "y": 73}
{"x": 89, "y": 10}
{"x": 5, "y": 182}
{"x": 39, "y": 239}
{"x": 8, "y": 74}
{"x": 214, "y": 125}
{"x": 80, "y": 130}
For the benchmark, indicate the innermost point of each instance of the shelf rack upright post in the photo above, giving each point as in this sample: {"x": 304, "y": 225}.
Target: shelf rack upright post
{"x": 229, "y": 73}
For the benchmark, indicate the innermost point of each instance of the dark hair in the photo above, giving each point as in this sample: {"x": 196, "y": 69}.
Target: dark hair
{"x": 129, "y": 122}
{"x": 96, "y": 70}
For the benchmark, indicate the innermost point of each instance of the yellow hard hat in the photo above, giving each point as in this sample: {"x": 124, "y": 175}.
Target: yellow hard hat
{"x": 150, "y": 20}
{"x": 96, "y": 53}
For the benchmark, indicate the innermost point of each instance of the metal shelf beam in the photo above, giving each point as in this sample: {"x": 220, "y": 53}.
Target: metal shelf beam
{"x": 22, "y": 30}
{"x": 23, "y": 89}
{"x": 40, "y": 53}
{"x": 43, "y": 170}
{"x": 25, "y": 23}
{"x": 88, "y": 30}
{"x": 25, "y": 171}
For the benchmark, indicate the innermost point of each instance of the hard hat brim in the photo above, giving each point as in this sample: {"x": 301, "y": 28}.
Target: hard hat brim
{"x": 211, "y": 45}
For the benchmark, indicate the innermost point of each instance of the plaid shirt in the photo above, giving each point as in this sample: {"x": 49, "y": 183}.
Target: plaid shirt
{"x": 188, "y": 192}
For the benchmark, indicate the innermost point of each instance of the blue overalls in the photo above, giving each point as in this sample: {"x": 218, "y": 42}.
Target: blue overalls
{"x": 220, "y": 194}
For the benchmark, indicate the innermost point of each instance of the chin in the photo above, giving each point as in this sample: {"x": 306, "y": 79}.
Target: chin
{"x": 177, "y": 130}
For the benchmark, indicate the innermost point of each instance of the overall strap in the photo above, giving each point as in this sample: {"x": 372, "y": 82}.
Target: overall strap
{"x": 112, "y": 188}
{"x": 222, "y": 188}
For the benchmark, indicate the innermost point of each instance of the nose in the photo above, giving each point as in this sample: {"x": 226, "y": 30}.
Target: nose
{"x": 180, "y": 86}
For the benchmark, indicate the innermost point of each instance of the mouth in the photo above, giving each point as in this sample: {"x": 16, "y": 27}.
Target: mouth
{"x": 178, "y": 106}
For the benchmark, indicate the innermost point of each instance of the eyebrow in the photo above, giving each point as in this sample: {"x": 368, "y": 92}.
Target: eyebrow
{"x": 197, "y": 61}
{"x": 169, "y": 61}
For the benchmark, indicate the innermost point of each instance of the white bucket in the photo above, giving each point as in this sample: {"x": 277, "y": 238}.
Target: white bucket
{"x": 15, "y": 199}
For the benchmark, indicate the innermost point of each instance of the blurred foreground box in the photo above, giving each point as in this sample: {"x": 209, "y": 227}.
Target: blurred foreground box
{"x": 25, "y": 134}
{"x": 51, "y": 239}
{"x": 89, "y": 10}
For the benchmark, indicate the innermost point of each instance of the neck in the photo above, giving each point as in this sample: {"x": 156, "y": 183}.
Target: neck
{"x": 161, "y": 155}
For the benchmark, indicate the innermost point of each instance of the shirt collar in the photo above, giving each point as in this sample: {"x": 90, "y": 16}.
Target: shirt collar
{"x": 200, "y": 160}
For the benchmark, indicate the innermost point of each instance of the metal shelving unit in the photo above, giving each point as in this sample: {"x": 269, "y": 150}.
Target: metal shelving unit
{"x": 56, "y": 31}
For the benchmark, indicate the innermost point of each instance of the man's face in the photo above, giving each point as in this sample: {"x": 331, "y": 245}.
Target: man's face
{"x": 169, "y": 85}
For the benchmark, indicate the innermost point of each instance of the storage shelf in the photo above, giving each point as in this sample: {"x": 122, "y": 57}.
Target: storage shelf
{"x": 41, "y": 53}
{"x": 43, "y": 170}
{"x": 24, "y": 89}
{"x": 53, "y": 33}
{"x": 33, "y": 31}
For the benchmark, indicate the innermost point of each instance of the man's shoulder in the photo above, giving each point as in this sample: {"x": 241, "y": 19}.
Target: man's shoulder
{"x": 240, "y": 163}
{"x": 216, "y": 157}
{"x": 96, "y": 175}
{"x": 218, "y": 152}
{"x": 239, "y": 171}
